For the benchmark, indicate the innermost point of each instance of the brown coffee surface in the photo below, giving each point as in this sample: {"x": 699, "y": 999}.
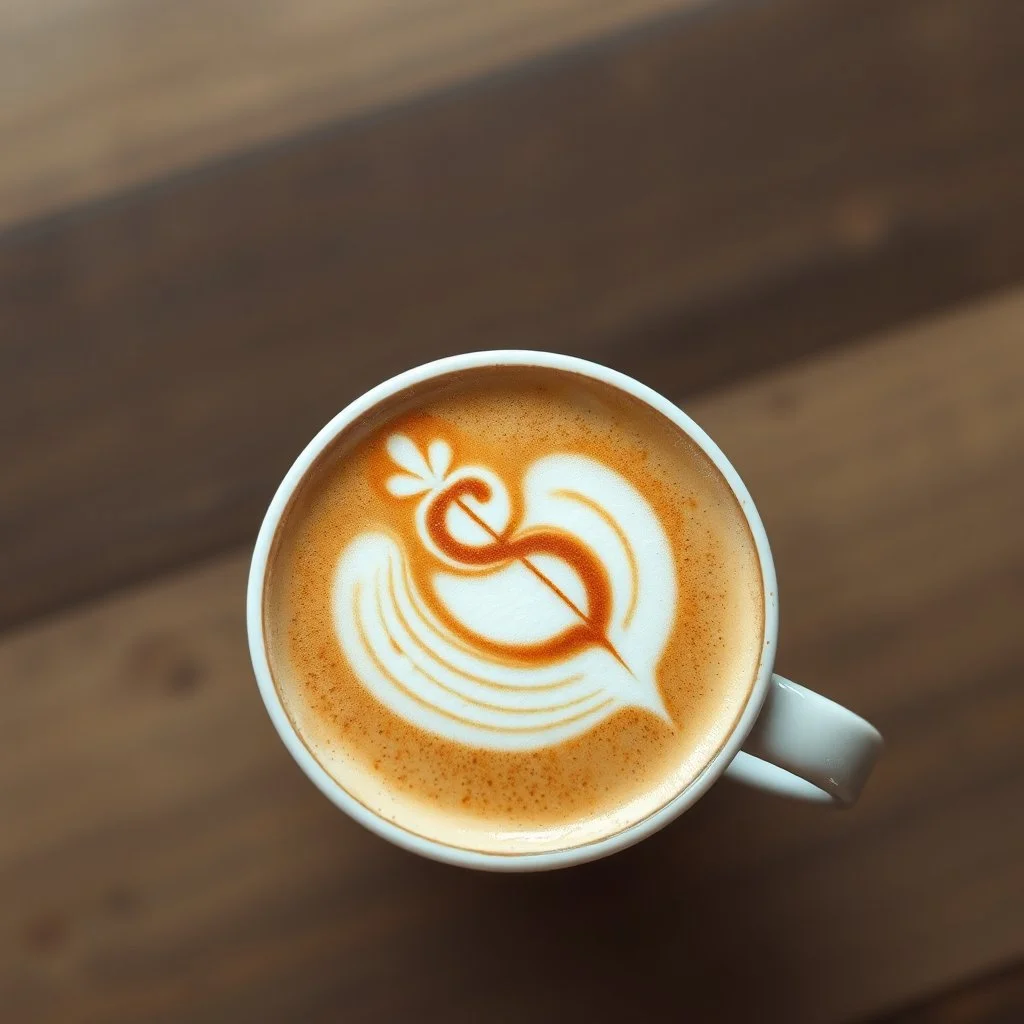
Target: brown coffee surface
{"x": 568, "y": 792}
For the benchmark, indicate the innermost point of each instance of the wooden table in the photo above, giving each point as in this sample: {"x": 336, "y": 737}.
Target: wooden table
{"x": 817, "y": 257}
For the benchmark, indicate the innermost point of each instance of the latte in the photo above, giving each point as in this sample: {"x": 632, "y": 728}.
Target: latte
{"x": 513, "y": 609}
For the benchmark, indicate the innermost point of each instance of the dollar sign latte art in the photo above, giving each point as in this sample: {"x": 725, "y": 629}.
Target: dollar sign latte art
{"x": 539, "y": 618}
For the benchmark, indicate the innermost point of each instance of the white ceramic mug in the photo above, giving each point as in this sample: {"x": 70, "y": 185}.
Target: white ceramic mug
{"x": 788, "y": 739}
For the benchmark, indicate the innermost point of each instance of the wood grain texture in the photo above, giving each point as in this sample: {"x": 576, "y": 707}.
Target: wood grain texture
{"x": 99, "y": 95}
{"x": 166, "y": 354}
{"x": 994, "y": 999}
{"x": 162, "y": 859}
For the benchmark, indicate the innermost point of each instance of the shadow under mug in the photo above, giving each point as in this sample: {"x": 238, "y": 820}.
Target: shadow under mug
{"x": 788, "y": 739}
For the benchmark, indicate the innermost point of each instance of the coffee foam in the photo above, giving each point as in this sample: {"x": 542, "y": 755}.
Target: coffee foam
{"x": 476, "y": 728}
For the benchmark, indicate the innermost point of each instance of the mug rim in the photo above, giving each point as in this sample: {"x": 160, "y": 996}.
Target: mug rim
{"x": 395, "y": 833}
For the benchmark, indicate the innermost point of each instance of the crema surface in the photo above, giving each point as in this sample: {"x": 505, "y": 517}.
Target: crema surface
{"x": 514, "y": 610}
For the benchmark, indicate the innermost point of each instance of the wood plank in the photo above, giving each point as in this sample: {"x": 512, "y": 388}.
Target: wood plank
{"x": 995, "y": 999}
{"x": 162, "y": 859}
{"x": 166, "y": 354}
{"x": 110, "y": 93}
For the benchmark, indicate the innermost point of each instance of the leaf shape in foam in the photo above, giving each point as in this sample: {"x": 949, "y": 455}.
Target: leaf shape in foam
{"x": 402, "y": 485}
{"x": 439, "y": 455}
{"x": 405, "y": 454}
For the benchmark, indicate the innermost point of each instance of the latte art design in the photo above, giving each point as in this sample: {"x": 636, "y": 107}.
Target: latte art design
{"x": 511, "y": 615}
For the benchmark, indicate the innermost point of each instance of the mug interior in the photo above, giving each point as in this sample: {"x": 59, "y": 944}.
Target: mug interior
{"x": 409, "y": 838}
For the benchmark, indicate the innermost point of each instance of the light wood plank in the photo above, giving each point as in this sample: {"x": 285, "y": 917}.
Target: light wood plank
{"x": 96, "y": 95}
{"x": 995, "y": 999}
{"x": 161, "y": 859}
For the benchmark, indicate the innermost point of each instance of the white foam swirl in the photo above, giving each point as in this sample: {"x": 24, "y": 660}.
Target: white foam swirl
{"x": 416, "y": 664}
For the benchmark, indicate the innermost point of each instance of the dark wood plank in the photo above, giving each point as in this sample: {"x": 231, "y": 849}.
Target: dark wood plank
{"x": 161, "y": 858}
{"x": 994, "y": 999}
{"x": 713, "y": 195}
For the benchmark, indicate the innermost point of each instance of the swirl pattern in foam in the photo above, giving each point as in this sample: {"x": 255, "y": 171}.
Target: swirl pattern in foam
{"x": 542, "y": 624}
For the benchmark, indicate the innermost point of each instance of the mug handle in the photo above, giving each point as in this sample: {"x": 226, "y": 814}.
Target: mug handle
{"x": 806, "y": 746}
